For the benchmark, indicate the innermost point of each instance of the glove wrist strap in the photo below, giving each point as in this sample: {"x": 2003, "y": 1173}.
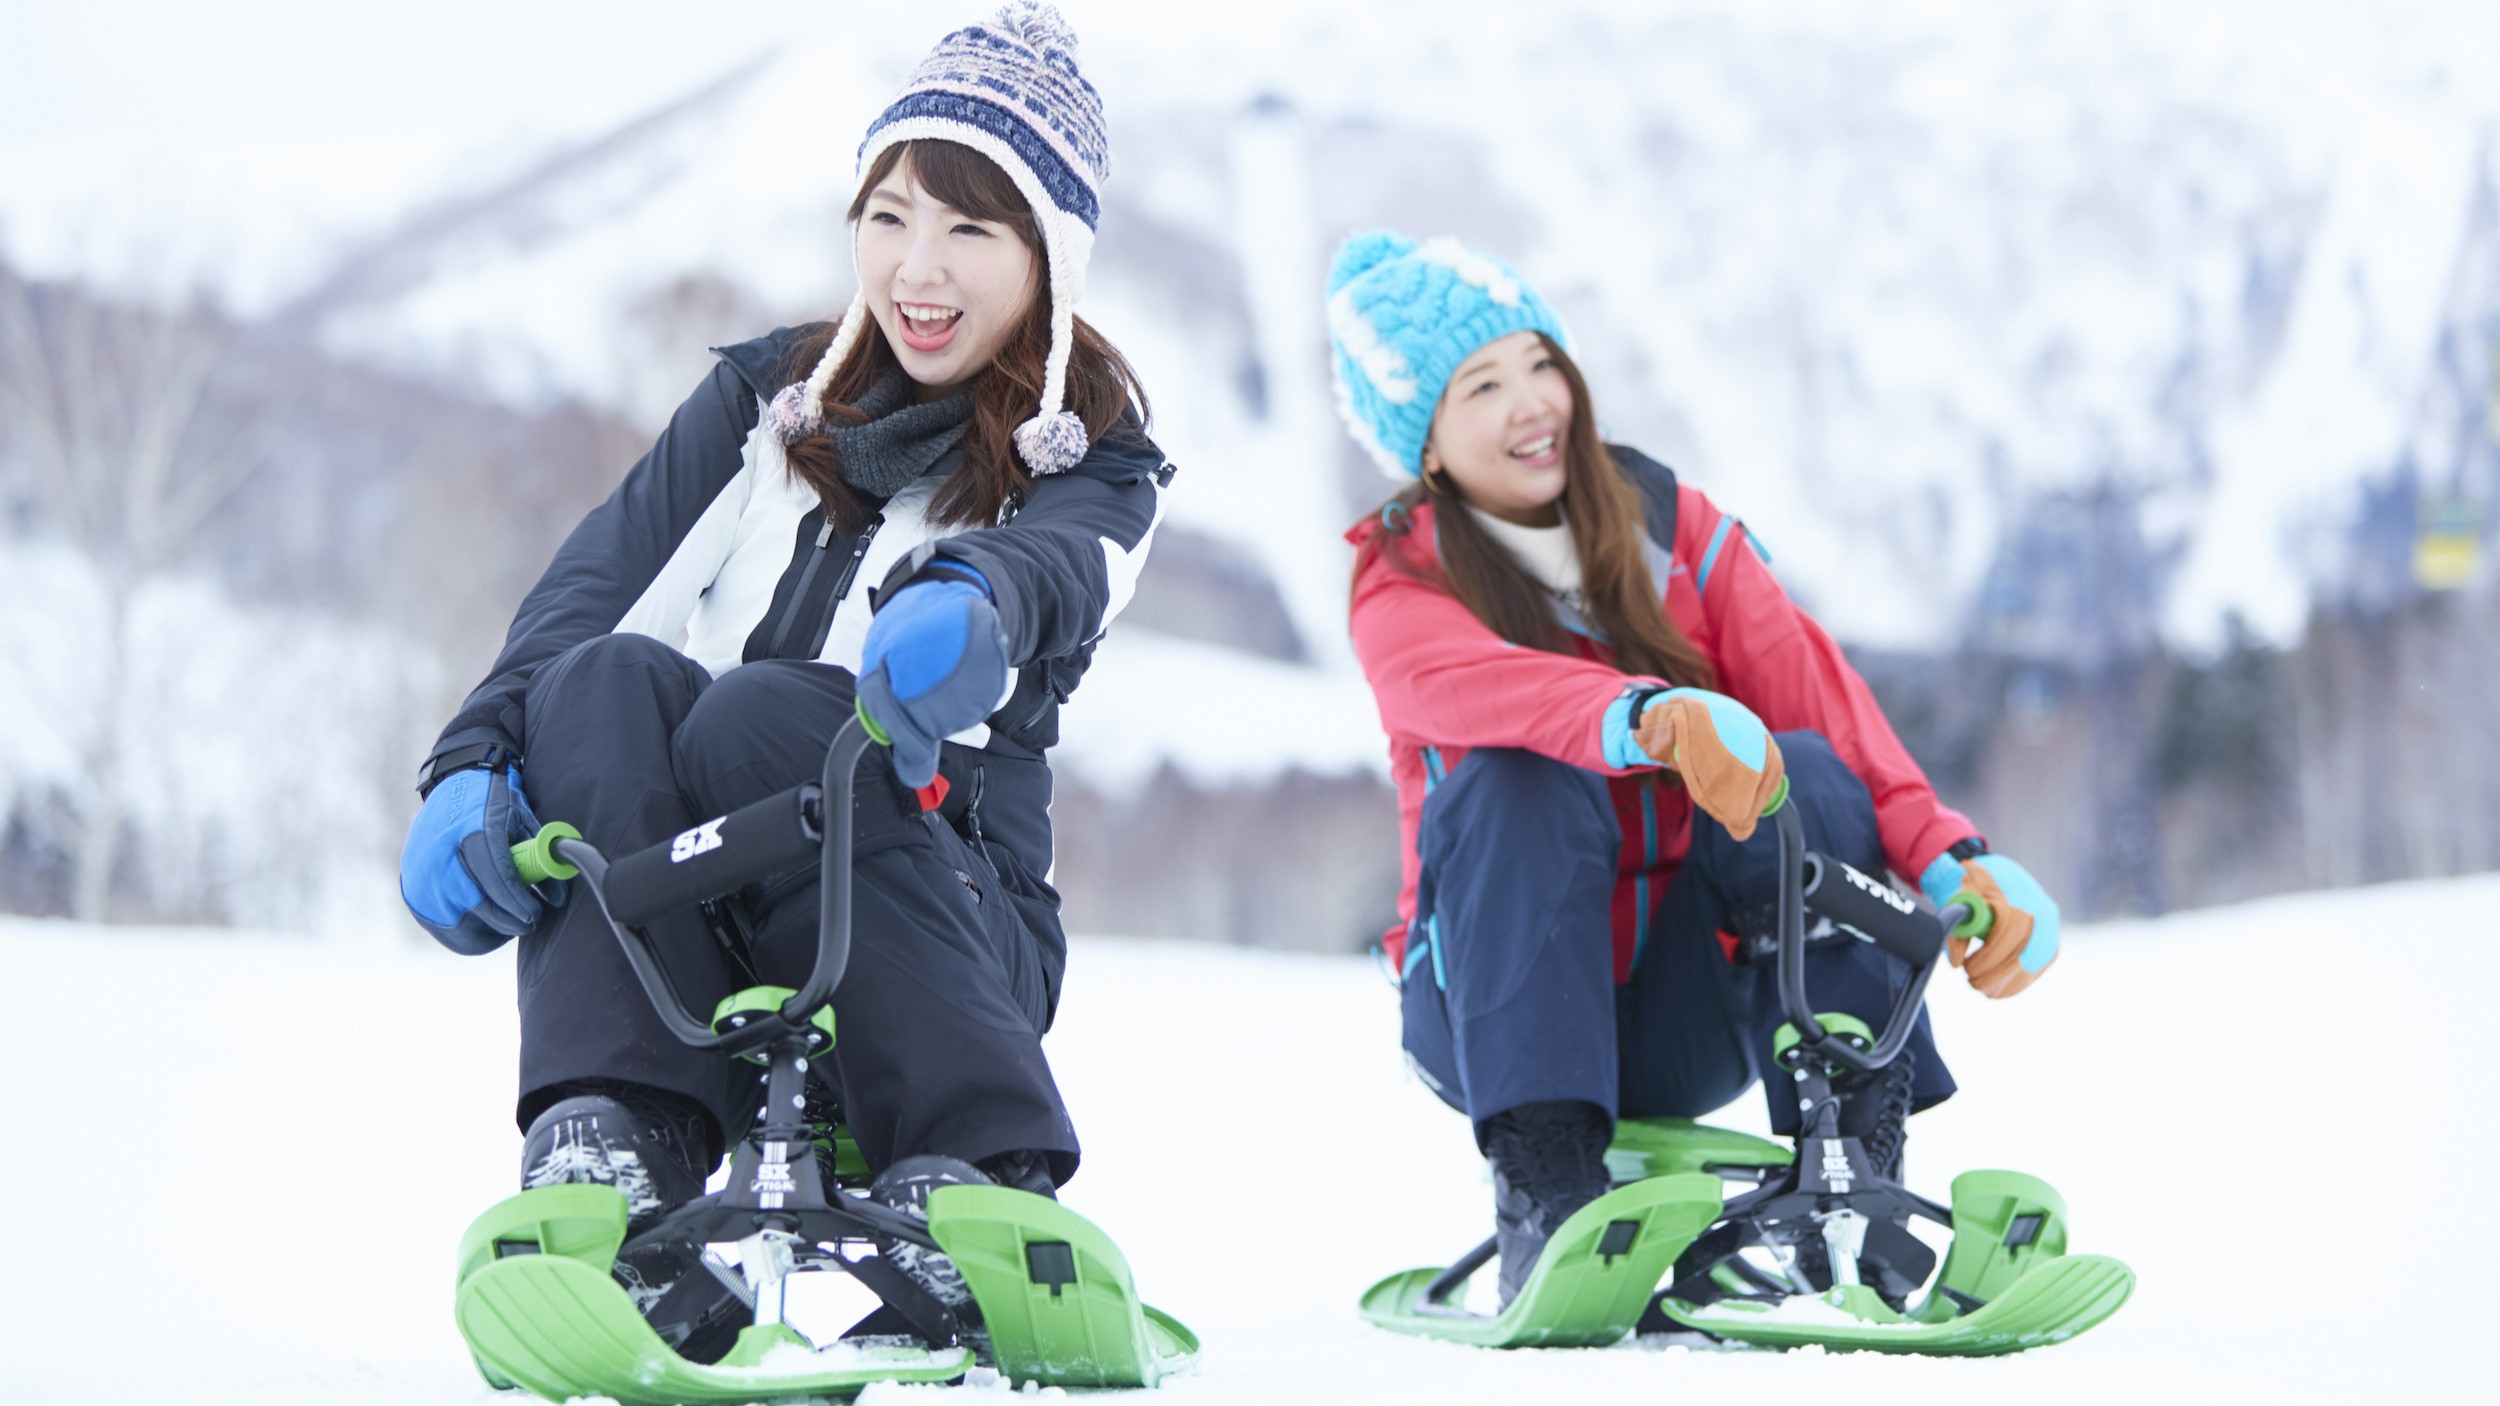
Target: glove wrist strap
{"x": 486, "y": 756}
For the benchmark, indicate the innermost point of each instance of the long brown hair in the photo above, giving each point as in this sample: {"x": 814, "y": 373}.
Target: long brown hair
{"x": 1603, "y": 509}
{"x": 1102, "y": 387}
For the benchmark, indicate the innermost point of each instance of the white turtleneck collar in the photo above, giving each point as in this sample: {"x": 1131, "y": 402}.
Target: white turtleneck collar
{"x": 1548, "y": 554}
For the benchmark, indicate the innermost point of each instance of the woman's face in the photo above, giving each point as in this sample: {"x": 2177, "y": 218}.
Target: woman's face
{"x": 948, "y": 290}
{"x": 1500, "y": 429}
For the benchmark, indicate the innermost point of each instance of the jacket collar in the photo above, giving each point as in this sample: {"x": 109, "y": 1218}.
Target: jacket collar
{"x": 764, "y": 362}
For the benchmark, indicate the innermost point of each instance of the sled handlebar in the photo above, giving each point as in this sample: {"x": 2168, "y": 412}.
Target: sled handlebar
{"x": 1968, "y": 915}
{"x": 536, "y": 858}
{"x": 721, "y": 855}
{"x": 717, "y": 857}
{"x": 1868, "y": 907}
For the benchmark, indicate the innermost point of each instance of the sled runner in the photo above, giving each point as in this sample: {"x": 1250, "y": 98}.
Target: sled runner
{"x": 1790, "y": 1247}
{"x": 536, "y": 1300}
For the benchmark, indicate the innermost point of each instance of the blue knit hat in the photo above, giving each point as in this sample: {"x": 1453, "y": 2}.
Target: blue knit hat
{"x": 1010, "y": 90}
{"x": 1402, "y": 316}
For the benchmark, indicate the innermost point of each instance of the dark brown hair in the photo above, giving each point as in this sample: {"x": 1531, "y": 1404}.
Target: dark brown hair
{"x": 1102, "y": 386}
{"x": 1603, "y": 509}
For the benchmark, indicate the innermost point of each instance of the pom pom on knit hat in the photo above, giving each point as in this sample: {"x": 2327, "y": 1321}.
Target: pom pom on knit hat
{"x": 1361, "y": 253}
{"x": 793, "y": 415}
{"x": 1039, "y": 25}
{"x": 1052, "y": 444}
{"x": 798, "y": 411}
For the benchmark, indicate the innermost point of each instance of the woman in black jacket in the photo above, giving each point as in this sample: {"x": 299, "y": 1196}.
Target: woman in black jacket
{"x": 702, "y": 635}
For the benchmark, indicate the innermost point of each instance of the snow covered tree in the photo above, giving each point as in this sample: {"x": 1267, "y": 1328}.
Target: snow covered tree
{"x": 124, "y": 452}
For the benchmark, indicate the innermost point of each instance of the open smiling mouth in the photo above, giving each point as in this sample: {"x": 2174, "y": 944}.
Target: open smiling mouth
{"x": 1536, "y": 452}
{"x": 926, "y": 326}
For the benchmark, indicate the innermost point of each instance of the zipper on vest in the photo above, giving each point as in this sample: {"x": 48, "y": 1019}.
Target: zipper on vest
{"x": 798, "y": 597}
{"x": 841, "y": 588}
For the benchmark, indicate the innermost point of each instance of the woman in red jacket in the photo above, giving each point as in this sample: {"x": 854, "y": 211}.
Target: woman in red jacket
{"x": 1573, "y": 654}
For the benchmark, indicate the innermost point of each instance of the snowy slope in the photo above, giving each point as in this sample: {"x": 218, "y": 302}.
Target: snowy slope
{"x": 253, "y": 1198}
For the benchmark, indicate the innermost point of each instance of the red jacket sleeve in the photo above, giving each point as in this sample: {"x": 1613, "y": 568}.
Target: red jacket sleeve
{"x": 1775, "y": 659}
{"x": 1442, "y": 676}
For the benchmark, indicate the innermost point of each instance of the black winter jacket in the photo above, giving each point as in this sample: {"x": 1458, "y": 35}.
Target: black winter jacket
{"x": 709, "y": 544}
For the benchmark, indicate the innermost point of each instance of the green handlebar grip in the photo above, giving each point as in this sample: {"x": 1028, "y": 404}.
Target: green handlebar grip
{"x": 876, "y": 734}
{"x": 1778, "y": 797}
{"x": 1982, "y": 917}
{"x": 536, "y": 858}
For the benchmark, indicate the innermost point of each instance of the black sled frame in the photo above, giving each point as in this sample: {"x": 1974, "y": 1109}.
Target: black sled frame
{"x": 776, "y": 1205}
{"x": 1831, "y": 1192}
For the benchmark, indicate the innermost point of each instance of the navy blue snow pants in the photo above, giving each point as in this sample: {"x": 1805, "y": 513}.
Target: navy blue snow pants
{"x": 1509, "y": 994}
{"x": 940, "y": 1014}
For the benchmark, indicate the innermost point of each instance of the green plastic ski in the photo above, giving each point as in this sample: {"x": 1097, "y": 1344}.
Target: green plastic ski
{"x": 2007, "y": 1284}
{"x": 540, "y": 1310}
{"x": 1589, "y": 1287}
{"x": 2049, "y": 1305}
{"x": 1054, "y": 1291}
{"x": 1657, "y": 1147}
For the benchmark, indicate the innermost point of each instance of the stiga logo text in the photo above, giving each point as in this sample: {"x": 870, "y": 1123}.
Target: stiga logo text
{"x": 702, "y": 839}
{"x": 1878, "y": 889}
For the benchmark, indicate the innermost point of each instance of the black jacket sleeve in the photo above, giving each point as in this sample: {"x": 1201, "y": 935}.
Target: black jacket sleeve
{"x": 612, "y": 557}
{"x": 1065, "y": 563}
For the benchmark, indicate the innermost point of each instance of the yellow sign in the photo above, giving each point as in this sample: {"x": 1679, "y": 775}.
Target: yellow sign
{"x": 2448, "y": 551}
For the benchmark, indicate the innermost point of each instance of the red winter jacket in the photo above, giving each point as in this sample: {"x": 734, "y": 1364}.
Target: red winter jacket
{"x": 1445, "y": 683}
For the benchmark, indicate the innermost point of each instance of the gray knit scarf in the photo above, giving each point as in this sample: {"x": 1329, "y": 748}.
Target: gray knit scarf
{"x": 901, "y": 440}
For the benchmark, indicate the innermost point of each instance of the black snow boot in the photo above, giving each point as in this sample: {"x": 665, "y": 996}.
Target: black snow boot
{"x": 1549, "y": 1160}
{"x": 905, "y": 1186}
{"x": 656, "y": 1148}
{"x": 1022, "y": 1171}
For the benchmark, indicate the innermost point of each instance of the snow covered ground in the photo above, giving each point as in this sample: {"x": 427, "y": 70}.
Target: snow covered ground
{"x": 252, "y": 1194}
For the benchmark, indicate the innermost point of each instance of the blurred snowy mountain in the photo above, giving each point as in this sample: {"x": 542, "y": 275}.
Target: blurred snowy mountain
{"x": 1879, "y": 281}
{"x": 2075, "y": 332}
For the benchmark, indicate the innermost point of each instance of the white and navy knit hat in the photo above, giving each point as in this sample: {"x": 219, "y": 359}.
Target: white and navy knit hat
{"x": 1009, "y": 89}
{"x": 1402, "y": 316}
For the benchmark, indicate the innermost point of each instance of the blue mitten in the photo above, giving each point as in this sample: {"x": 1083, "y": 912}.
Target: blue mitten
{"x": 935, "y": 663}
{"x": 456, "y": 873}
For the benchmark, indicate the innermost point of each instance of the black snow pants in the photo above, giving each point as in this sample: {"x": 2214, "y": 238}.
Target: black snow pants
{"x": 941, "y": 1011}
